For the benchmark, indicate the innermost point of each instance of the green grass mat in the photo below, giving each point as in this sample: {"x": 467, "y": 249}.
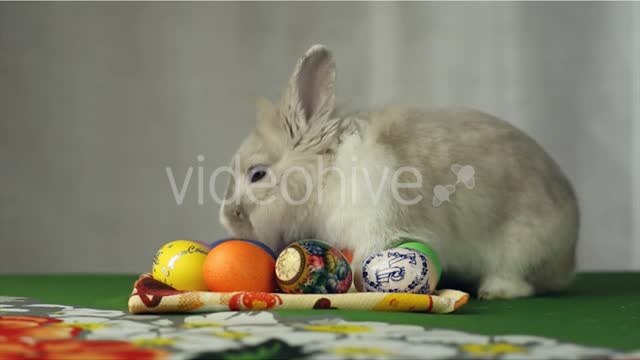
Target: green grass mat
{"x": 600, "y": 309}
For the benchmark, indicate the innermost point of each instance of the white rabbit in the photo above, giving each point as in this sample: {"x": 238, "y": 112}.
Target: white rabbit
{"x": 362, "y": 180}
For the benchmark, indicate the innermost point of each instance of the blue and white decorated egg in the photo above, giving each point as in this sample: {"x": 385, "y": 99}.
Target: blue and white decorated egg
{"x": 400, "y": 270}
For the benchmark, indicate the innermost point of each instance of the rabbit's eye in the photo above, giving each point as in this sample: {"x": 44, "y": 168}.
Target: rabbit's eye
{"x": 257, "y": 173}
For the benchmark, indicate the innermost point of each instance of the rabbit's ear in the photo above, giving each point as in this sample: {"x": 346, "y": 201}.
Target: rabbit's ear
{"x": 310, "y": 95}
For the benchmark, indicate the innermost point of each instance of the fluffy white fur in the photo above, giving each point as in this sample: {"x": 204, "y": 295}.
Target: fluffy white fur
{"x": 513, "y": 234}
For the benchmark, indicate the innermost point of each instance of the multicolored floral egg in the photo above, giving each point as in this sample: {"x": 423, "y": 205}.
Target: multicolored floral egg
{"x": 313, "y": 267}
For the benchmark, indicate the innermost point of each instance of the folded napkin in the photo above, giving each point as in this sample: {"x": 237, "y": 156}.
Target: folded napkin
{"x": 152, "y": 296}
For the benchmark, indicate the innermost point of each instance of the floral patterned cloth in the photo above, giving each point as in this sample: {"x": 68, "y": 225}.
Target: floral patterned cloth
{"x": 152, "y": 296}
{"x": 29, "y": 330}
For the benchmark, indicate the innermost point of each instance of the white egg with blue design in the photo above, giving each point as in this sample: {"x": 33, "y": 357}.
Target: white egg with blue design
{"x": 399, "y": 270}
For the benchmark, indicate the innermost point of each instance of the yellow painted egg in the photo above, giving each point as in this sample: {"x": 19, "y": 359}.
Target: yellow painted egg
{"x": 179, "y": 264}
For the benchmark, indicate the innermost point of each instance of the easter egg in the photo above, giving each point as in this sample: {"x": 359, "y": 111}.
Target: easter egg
{"x": 239, "y": 265}
{"x": 254, "y": 242}
{"x": 179, "y": 264}
{"x": 427, "y": 251}
{"x": 348, "y": 254}
{"x": 411, "y": 267}
{"x": 312, "y": 267}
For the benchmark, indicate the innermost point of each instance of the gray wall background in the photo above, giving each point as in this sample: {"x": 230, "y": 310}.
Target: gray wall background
{"x": 97, "y": 99}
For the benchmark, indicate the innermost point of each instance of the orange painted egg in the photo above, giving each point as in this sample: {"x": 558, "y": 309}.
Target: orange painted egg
{"x": 239, "y": 265}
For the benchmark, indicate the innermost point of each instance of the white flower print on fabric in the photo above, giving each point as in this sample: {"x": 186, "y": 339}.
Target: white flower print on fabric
{"x": 351, "y": 348}
{"x": 5, "y": 309}
{"x": 87, "y": 312}
{"x": 108, "y": 329}
{"x": 362, "y": 329}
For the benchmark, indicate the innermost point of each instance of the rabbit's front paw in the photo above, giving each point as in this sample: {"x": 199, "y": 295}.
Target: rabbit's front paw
{"x": 498, "y": 287}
